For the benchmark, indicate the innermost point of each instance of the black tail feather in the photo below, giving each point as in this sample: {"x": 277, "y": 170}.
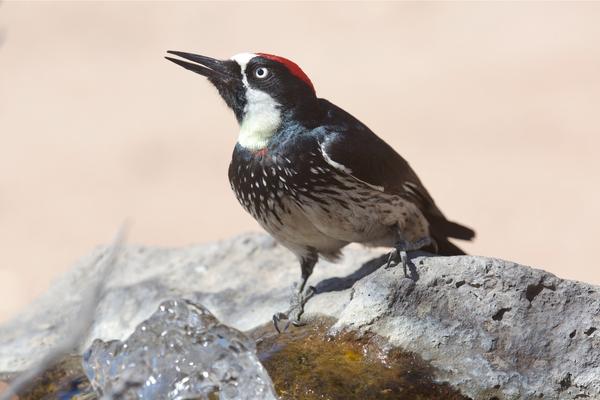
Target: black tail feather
{"x": 444, "y": 247}
{"x": 440, "y": 226}
{"x": 447, "y": 248}
{"x": 441, "y": 229}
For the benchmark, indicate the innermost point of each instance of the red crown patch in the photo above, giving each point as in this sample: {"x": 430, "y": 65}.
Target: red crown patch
{"x": 291, "y": 66}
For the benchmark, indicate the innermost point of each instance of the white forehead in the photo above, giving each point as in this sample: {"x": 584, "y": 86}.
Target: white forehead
{"x": 242, "y": 59}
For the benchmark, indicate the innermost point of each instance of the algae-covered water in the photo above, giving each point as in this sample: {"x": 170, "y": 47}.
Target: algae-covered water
{"x": 305, "y": 363}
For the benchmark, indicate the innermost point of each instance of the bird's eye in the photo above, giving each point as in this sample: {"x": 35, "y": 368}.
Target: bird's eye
{"x": 261, "y": 73}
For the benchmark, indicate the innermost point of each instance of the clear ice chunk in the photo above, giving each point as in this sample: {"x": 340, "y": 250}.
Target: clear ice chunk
{"x": 181, "y": 352}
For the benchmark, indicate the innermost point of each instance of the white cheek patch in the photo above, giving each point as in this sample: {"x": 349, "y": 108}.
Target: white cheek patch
{"x": 262, "y": 116}
{"x": 261, "y": 120}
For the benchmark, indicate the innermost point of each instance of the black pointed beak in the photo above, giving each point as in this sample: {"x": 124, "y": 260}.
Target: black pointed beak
{"x": 206, "y": 66}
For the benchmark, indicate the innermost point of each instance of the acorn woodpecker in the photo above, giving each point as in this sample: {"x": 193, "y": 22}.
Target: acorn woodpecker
{"x": 314, "y": 176}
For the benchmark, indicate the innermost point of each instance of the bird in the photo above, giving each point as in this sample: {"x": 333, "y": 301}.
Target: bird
{"x": 314, "y": 176}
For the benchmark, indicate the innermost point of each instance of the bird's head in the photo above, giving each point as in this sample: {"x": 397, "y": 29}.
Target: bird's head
{"x": 263, "y": 91}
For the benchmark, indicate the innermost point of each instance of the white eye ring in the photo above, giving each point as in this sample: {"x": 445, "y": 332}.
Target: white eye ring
{"x": 261, "y": 73}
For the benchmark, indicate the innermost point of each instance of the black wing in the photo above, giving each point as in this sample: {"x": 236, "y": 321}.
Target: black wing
{"x": 351, "y": 146}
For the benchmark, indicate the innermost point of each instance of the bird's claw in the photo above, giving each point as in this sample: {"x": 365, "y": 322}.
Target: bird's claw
{"x": 400, "y": 252}
{"x": 308, "y": 294}
{"x": 394, "y": 255}
{"x": 293, "y": 315}
{"x": 277, "y": 318}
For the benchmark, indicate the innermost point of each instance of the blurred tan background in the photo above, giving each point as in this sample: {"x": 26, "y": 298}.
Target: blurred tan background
{"x": 496, "y": 106}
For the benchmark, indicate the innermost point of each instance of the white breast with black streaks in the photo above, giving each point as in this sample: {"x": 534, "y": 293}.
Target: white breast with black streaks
{"x": 320, "y": 207}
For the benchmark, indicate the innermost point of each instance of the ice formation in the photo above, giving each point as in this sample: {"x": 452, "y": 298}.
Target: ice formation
{"x": 181, "y": 352}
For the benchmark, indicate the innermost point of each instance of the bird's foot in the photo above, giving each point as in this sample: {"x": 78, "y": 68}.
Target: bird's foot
{"x": 294, "y": 313}
{"x": 400, "y": 252}
{"x": 393, "y": 260}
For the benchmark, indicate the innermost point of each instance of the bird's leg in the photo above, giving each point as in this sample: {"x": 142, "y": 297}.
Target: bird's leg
{"x": 401, "y": 249}
{"x": 299, "y": 297}
{"x": 398, "y": 251}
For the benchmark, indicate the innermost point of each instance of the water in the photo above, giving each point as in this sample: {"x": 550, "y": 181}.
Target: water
{"x": 307, "y": 363}
{"x": 181, "y": 352}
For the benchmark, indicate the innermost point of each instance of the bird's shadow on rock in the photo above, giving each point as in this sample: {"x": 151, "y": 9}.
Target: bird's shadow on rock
{"x": 338, "y": 284}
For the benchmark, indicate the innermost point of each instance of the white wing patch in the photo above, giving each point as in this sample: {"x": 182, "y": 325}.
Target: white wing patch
{"x": 334, "y": 164}
{"x": 411, "y": 188}
{"x": 343, "y": 168}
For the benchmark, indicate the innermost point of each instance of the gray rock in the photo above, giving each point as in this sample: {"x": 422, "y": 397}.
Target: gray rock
{"x": 490, "y": 328}
{"x": 243, "y": 281}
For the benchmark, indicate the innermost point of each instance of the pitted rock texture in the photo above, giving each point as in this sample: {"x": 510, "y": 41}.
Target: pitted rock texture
{"x": 525, "y": 333}
{"x": 491, "y": 328}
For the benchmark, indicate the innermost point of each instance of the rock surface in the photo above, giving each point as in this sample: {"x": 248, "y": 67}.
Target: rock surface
{"x": 491, "y": 328}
